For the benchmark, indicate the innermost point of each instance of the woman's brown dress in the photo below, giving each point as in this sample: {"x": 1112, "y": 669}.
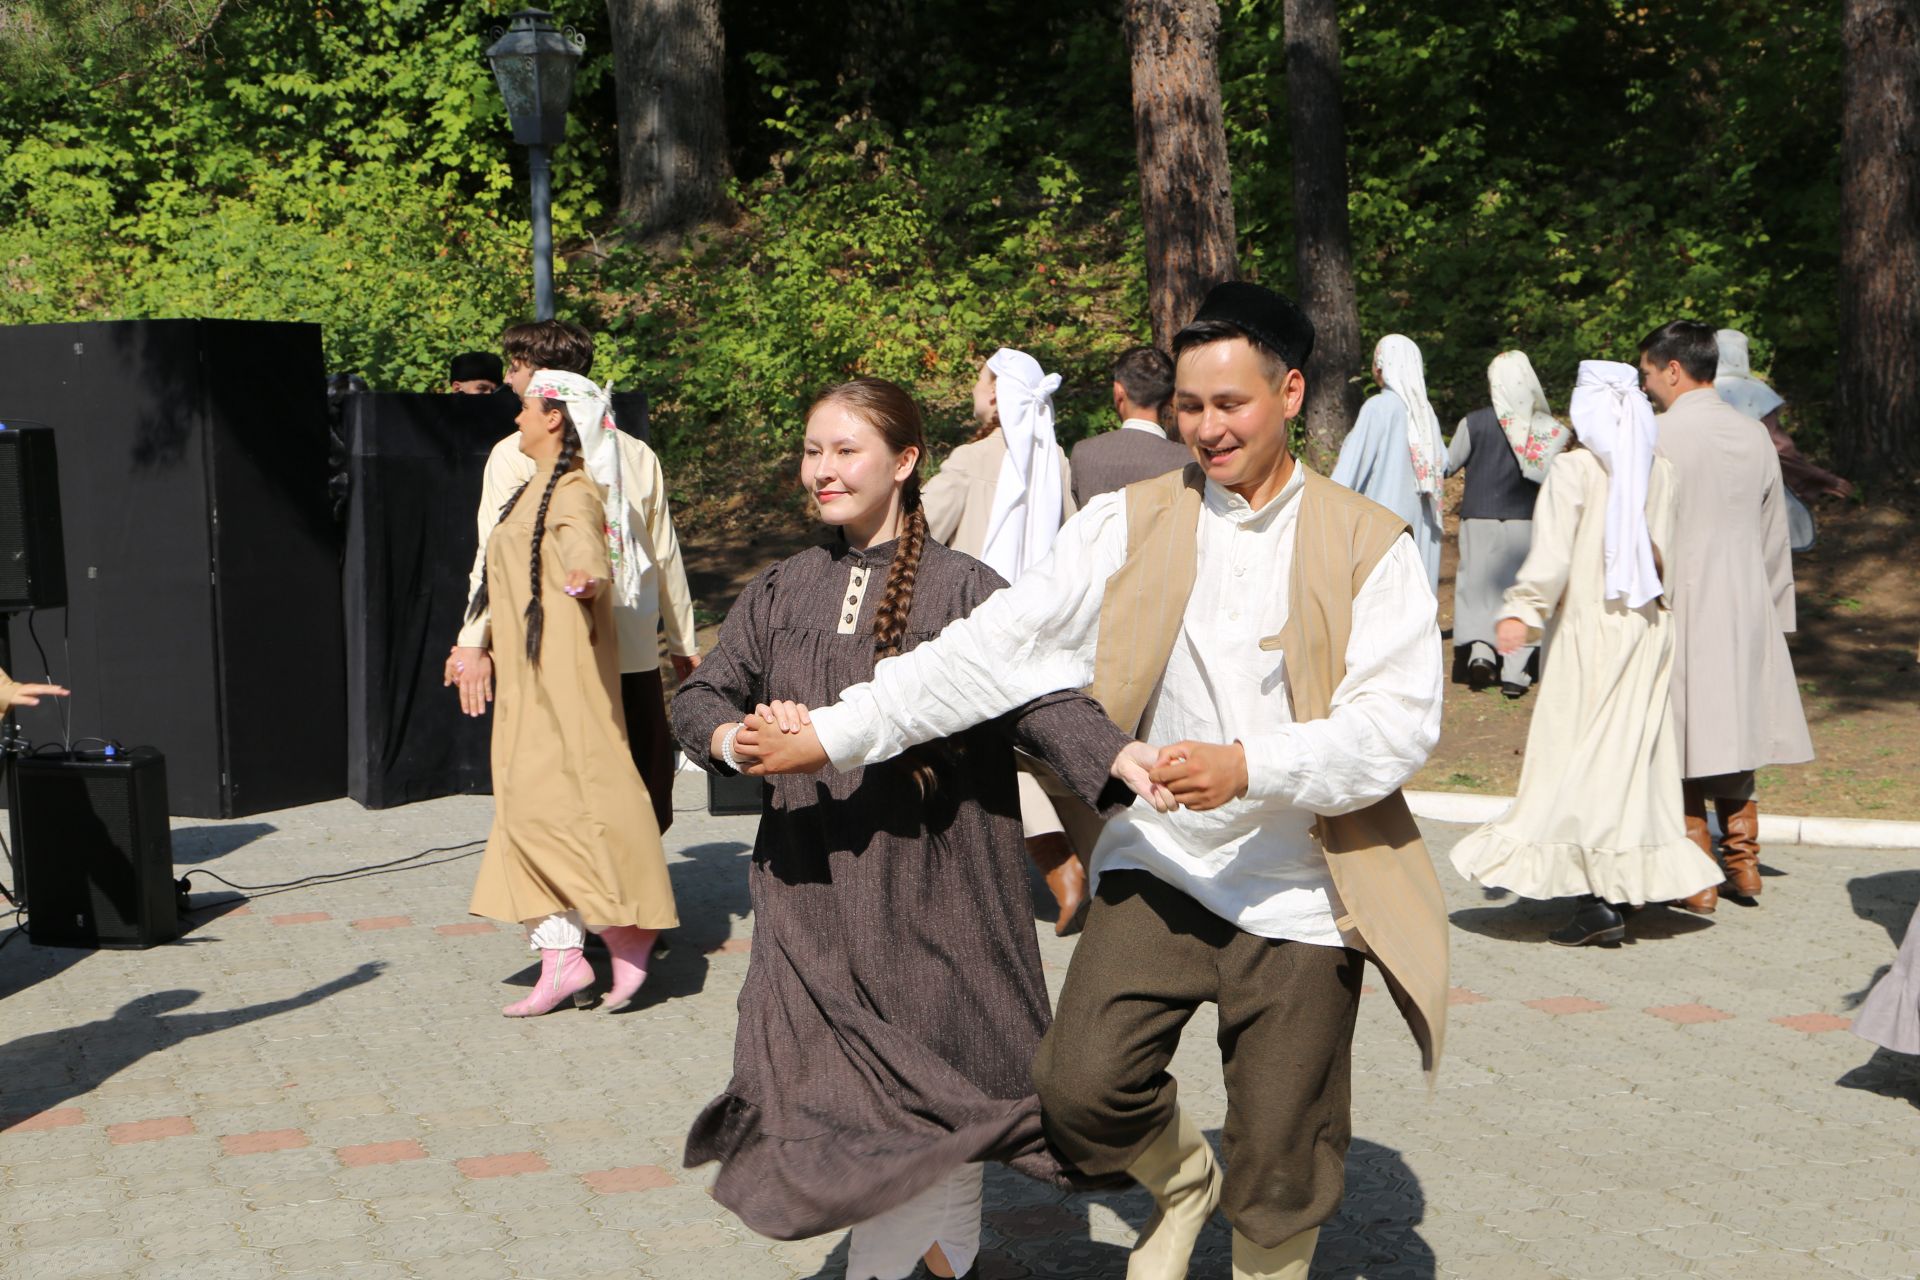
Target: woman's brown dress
{"x": 573, "y": 828}
{"x": 894, "y": 998}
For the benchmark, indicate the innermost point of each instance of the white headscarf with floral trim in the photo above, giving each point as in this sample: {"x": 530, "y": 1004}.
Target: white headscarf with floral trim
{"x": 1401, "y": 370}
{"x": 590, "y": 407}
{"x": 1521, "y": 405}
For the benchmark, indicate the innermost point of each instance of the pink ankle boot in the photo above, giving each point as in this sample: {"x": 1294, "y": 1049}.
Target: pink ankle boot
{"x": 631, "y": 948}
{"x": 562, "y": 974}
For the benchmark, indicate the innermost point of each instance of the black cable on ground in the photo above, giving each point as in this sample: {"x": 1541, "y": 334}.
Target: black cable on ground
{"x": 411, "y": 863}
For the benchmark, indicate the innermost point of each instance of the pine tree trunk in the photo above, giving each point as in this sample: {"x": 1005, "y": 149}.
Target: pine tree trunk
{"x": 1186, "y": 188}
{"x": 668, "y": 60}
{"x": 1879, "y": 403}
{"x": 1323, "y": 243}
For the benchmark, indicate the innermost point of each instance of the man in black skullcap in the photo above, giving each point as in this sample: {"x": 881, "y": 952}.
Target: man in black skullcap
{"x": 475, "y": 373}
{"x": 1277, "y": 630}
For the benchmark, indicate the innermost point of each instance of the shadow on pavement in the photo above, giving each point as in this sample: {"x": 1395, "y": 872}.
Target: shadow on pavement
{"x": 23, "y": 965}
{"x": 1034, "y": 1230}
{"x": 710, "y": 892}
{"x": 1377, "y": 1226}
{"x": 204, "y": 844}
{"x": 1887, "y": 899}
{"x": 1526, "y": 920}
{"x": 49, "y": 1068}
{"x": 1889, "y": 1074}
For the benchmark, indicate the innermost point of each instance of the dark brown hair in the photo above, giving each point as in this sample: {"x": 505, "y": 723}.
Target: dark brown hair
{"x": 1146, "y": 375}
{"x": 1690, "y": 343}
{"x": 536, "y": 614}
{"x": 550, "y": 344}
{"x": 1205, "y": 333}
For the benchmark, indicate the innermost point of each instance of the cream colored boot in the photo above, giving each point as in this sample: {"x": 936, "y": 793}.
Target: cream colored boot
{"x": 1285, "y": 1261}
{"x": 1179, "y": 1169}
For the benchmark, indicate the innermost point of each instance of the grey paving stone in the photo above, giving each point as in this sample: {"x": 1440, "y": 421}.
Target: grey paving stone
{"x": 1609, "y": 1144}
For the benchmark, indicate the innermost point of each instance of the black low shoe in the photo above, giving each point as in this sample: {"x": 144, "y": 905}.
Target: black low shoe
{"x": 1594, "y": 924}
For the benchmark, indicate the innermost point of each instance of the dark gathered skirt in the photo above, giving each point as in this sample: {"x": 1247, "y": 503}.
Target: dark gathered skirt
{"x": 894, "y": 999}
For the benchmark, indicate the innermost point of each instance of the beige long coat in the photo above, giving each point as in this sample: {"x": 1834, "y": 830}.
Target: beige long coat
{"x": 1729, "y": 578}
{"x": 958, "y": 500}
{"x": 573, "y": 828}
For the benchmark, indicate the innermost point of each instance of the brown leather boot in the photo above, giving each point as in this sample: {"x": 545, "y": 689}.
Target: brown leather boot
{"x": 1740, "y": 819}
{"x": 1055, "y": 858}
{"x": 1703, "y": 902}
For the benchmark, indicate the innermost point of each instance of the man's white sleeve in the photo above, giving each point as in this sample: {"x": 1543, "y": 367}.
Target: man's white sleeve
{"x": 1386, "y": 713}
{"x": 1030, "y": 639}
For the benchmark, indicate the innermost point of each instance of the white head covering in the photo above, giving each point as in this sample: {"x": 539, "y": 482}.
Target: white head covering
{"x": 1521, "y": 405}
{"x": 1615, "y": 421}
{"x": 590, "y": 408}
{"x": 1403, "y": 373}
{"x": 1734, "y": 378}
{"x": 1026, "y": 497}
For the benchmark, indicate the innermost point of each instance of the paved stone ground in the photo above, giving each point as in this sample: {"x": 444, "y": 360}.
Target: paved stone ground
{"x": 318, "y": 1083}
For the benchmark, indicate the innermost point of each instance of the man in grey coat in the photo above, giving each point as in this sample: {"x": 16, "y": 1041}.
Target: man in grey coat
{"x": 1139, "y": 449}
{"x": 1729, "y": 581}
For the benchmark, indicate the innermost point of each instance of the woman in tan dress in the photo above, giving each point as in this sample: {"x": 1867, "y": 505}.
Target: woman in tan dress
{"x": 574, "y": 845}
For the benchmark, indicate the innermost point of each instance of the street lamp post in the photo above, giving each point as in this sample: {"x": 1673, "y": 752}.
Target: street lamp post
{"x": 534, "y": 62}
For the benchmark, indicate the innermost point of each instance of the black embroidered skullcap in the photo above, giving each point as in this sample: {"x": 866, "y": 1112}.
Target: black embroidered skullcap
{"x": 475, "y": 366}
{"x": 1268, "y": 319}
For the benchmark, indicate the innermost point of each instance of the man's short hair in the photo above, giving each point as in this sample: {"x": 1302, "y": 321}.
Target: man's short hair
{"x": 1204, "y": 333}
{"x": 1689, "y": 342}
{"x": 1146, "y": 375}
{"x": 550, "y": 344}
{"x": 476, "y": 366}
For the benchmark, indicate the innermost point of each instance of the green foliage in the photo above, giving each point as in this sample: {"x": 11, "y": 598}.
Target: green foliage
{"x": 903, "y": 253}
{"x": 1562, "y": 178}
{"x": 347, "y": 166}
{"x": 915, "y": 191}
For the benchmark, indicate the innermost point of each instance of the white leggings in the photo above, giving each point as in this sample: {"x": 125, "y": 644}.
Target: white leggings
{"x": 947, "y": 1213}
{"x": 561, "y": 931}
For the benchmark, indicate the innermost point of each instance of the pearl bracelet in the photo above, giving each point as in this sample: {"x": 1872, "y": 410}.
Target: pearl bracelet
{"x": 726, "y": 748}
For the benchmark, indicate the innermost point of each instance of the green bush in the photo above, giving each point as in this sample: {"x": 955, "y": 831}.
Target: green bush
{"x": 1553, "y": 177}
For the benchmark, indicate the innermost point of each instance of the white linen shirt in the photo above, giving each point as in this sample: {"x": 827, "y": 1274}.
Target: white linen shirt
{"x": 1253, "y": 861}
{"x": 1142, "y": 424}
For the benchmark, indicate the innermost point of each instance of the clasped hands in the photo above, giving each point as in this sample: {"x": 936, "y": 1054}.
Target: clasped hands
{"x": 779, "y": 737}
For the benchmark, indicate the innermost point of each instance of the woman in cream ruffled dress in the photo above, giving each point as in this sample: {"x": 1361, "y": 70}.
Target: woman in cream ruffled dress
{"x": 1598, "y": 814}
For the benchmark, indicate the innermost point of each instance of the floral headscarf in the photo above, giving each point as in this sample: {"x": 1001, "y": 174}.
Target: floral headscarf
{"x": 590, "y": 407}
{"x": 1521, "y": 405}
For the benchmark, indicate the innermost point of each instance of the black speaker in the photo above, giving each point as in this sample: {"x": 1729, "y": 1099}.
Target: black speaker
{"x": 95, "y": 852}
{"x": 736, "y": 795}
{"x": 203, "y": 563}
{"x": 33, "y": 567}
{"x": 414, "y": 465}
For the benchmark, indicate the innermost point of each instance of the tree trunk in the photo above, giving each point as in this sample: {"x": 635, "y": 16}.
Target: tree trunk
{"x": 1186, "y": 188}
{"x": 1879, "y": 402}
{"x": 1323, "y": 243}
{"x": 668, "y": 59}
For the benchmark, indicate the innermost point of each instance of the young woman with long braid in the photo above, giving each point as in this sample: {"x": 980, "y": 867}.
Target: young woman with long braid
{"x": 894, "y": 998}
{"x": 575, "y": 845}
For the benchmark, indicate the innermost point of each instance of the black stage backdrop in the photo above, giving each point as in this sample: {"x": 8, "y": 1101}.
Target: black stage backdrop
{"x": 415, "y": 464}
{"x": 202, "y": 560}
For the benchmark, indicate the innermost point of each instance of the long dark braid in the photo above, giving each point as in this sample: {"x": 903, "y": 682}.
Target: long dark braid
{"x": 478, "y": 605}
{"x": 890, "y": 618}
{"x": 569, "y": 451}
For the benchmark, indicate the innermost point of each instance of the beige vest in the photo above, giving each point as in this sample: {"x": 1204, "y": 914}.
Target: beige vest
{"x": 1378, "y": 862}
